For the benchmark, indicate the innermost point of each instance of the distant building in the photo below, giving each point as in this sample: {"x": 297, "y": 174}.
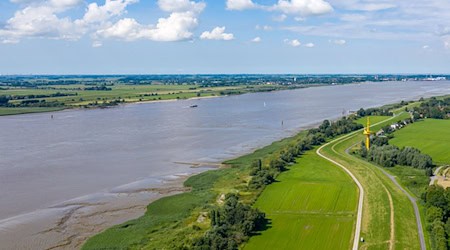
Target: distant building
{"x": 394, "y": 126}
{"x": 380, "y": 132}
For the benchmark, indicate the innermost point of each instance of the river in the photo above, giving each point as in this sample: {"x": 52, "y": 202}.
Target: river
{"x": 86, "y": 156}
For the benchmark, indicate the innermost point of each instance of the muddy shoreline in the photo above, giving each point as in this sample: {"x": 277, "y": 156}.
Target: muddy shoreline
{"x": 76, "y": 221}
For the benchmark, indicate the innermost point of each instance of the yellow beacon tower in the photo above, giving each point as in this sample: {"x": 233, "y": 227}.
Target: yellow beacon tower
{"x": 367, "y": 133}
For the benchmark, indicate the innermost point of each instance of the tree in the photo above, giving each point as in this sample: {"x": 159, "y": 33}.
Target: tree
{"x": 435, "y": 197}
{"x": 4, "y": 100}
{"x": 438, "y": 240}
{"x": 433, "y": 214}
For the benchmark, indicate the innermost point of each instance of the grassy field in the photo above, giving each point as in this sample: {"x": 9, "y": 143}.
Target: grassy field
{"x": 387, "y": 213}
{"x": 171, "y": 221}
{"x": 431, "y": 136}
{"x": 313, "y": 200}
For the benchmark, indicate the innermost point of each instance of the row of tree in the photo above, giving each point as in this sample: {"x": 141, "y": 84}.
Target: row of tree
{"x": 231, "y": 225}
{"x": 374, "y": 111}
{"x": 433, "y": 108}
{"x": 389, "y": 156}
{"x": 437, "y": 203}
{"x": 263, "y": 176}
{"x": 32, "y": 96}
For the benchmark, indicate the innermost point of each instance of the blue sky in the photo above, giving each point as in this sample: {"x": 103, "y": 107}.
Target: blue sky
{"x": 224, "y": 36}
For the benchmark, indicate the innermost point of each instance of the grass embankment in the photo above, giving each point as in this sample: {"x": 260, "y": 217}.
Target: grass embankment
{"x": 312, "y": 206}
{"x": 171, "y": 221}
{"x": 387, "y": 212}
{"x": 17, "y": 111}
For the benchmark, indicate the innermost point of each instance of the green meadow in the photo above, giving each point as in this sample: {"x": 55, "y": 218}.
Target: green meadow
{"x": 312, "y": 206}
{"x": 431, "y": 136}
{"x": 388, "y": 215}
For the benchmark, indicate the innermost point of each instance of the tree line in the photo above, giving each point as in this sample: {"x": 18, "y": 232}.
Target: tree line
{"x": 433, "y": 108}
{"x": 387, "y": 155}
{"x": 437, "y": 203}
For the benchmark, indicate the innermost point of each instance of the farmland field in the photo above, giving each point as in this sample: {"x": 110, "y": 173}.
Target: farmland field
{"x": 431, "y": 136}
{"x": 387, "y": 214}
{"x": 313, "y": 200}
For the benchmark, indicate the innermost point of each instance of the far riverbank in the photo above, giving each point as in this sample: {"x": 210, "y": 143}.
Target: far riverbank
{"x": 87, "y": 154}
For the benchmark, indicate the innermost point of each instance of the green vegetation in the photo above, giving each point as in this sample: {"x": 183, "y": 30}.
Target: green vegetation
{"x": 311, "y": 206}
{"x": 431, "y": 136}
{"x": 41, "y": 98}
{"x": 433, "y": 108}
{"x": 16, "y": 111}
{"x": 387, "y": 212}
{"x": 437, "y": 202}
{"x": 192, "y": 221}
{"x": 389, "y": 156}
{"x": 231, "y": 225}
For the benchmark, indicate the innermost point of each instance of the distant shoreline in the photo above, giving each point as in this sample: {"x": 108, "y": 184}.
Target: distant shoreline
{"x": 8, "y": 111}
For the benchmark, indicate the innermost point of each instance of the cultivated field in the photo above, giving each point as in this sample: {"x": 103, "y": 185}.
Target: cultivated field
{"x": 311, "y": 207}
{"x": 431, "y": 136}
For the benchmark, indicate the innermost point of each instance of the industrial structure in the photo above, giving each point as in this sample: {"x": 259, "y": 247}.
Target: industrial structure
{"x": 367, "y": 133}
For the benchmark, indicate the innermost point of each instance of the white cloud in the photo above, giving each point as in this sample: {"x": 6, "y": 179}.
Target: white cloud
{"x": 218, "y": 33}
{"x": 295, "y": 7}
{"x": 279, "y": 18}
{"x": 177, "y": 27}
{"x": 181, "y": 6}
{"x": 364, "y": 5}
{"x": 41, "y": 19}
{"x": 111, "y": 8}
{"x": 309, "y": 45}
{"x": 65, "y": 3}
{"x": 240, "y": 4}
{"x": 447, "y": 43}
{"x": 293, "y": 43}
{"x": 264, "y": 27}
{"x": 97, "y": 44}
{"x": 257, "y": 39}
{"x": 425, "y": 47}
{"x": 303, "y": 7}
{"x": 338, "y": 41}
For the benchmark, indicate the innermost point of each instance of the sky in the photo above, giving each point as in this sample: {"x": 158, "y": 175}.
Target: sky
{"x": 224, "y": 36}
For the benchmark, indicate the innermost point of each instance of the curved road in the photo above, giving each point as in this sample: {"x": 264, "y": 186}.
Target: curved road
{"x": 416, "y": 208}
{"x": 361, "y": 190}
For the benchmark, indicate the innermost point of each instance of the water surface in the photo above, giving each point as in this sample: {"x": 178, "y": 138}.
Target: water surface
{"x": 44, "y": 161}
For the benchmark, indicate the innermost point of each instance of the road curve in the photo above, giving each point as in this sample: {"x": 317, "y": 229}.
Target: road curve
{"x": 361, "y": 190}
{"x": 410, "y": 197}
{"x": 416, "y": 209}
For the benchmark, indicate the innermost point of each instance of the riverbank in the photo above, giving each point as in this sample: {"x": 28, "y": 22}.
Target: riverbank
{"x": 190, "y": 218}
{"x": 62, "y": 97}
{"x": 70, "y": 224}
{"x": 111, "y": 147}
